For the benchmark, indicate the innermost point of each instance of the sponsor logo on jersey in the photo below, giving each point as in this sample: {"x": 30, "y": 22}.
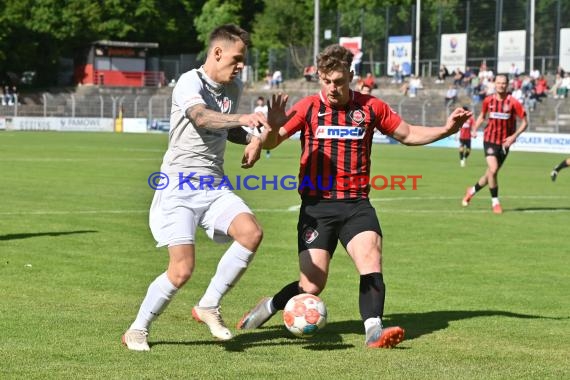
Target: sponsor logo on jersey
{"x": 339, "y": 132}
{"x": 499, "y": 115}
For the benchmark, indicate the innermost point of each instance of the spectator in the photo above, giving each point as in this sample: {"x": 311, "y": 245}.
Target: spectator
{"x": 534, "y": 74}
{"x": 458, "y": 77}
{"x": 310, "y": 73}
{"x": 397, "y": 72}
{"x": 5, "y": 95}
{"x": 366, "y": 90}
{"x": 261, "y": 106}
{"x": 268, "y": 79}
{"x": 468, "y": 76}
{"x": 276, "y": 79}
{"x": 560, "y": 71}
{"x": 541, "y": 87}
{"x": 531, "y": 98}
{"x": 415, "y": 84}
{"x": 451, "y": 95}
{"x": 564, "y": 87}
{"x": 370, "y": 81}
{"x": 516, "y": 83}
{"x": 556, "y": 86}
{"x": 518, "y": 94}
{"x": 443, "y": 73}
{"x": 13, "y": 96}
{"x": 513, "y": 71}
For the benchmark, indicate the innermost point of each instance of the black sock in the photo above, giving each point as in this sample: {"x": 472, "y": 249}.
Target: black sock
{"x": 477, "y": 187}
{"x": 494, "y": 192}
{"x": 467, "y": 153}
{"x": 461, "y": 155}
{"x": 372, "y": 295}
{"x": 284, "y": 295}
{"x": 561, "y": 166}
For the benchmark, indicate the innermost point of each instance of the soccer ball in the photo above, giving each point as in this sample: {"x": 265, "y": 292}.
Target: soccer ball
{"x": 304, "y": 315}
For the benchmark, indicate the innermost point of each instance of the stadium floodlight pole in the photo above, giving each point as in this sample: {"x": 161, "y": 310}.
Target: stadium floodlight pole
{"x": 418, "y": 12}
{"x": 531, "y": 52}
{"x": 316, "y": 34}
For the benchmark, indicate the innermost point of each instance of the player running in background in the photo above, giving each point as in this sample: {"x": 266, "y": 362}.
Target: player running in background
{"x": 564, "y": 164}
{"x": 465, "y": 139}
{"x": 501, "y": 132}
{"x": 204, "y": 103}
{"x": 337, "y": 126}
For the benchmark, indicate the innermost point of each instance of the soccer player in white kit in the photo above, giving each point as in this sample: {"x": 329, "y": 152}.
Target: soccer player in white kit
{"x": 204, "y": 102}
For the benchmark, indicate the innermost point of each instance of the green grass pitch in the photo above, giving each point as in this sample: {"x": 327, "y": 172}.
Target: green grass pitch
{"x": 481, "y": 296}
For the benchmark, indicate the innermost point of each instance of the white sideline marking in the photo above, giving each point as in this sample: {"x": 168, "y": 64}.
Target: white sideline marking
{"x": 74, "y": 212}
{"x": 395, "y": 199}
{"x": 52, "y": 159}
{"x": 295, "y": 208}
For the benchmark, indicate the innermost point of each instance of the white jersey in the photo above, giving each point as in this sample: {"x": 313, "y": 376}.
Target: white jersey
{"x": 198, "y": 150}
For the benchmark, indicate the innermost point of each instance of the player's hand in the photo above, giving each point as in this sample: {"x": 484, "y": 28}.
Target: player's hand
{"x": 456, "y": 119}
{"x": 507, "y": 142}
{"x": 251, "y": 153}
{"x": 276, "y": 116}
{"x": 474, "y": 134}
{"x": 254, "y": 120}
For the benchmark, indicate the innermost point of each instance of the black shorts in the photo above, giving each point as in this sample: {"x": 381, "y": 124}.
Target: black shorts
{"x": 465, "y": 142}
{"x": 322, "y": 223}
{"x": 496, "y": 150}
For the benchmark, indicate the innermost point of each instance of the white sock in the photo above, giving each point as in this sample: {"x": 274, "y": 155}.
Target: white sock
{"x": 269, "y": 306}
{"x": 231, "y": 267}
{"x": 494, "y": 201}
{"x": 158, "y": 296}
{"x": 372, "y": 322}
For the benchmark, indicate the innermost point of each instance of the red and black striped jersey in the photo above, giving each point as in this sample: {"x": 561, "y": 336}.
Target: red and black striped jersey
{"x": 336, "y": 143}
{"x": 465, "y": 131}
{"x": 502, "y": 116}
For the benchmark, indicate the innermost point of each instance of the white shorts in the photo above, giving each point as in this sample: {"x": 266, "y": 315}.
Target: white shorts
{"x": 175, "y": 214}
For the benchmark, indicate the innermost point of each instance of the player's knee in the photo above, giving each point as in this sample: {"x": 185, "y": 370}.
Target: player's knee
{"x": 312, "y": 287}
{"x": 180, "y": 275}
{"x": 249, "y": 236}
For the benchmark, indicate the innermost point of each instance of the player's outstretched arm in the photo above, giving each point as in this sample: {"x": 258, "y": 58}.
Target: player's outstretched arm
{"x": 422, "y": 135}
{"x": 202, "y": 117}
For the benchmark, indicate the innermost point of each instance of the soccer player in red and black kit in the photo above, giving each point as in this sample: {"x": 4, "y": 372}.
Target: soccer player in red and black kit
{"x": 465, "y": 139}
{"x": 501, "y": 132}
{"x": 337, "y": 126}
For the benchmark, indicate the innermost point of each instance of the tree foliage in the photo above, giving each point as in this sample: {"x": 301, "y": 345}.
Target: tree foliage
{"x": 35, "y": 34}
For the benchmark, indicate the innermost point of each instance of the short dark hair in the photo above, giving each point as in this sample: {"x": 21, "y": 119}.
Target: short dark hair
{"x": 334, "y": 57}
{"x": 229, "y": 32}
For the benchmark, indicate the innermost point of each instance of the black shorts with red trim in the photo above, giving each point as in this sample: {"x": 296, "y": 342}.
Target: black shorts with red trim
{"x": 322, "y": 223}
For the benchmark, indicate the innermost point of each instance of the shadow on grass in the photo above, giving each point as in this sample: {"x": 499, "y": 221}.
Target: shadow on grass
{"x": 274, "y": 336}
{"x": 39, "y": 234}
{"x": 418, "y": 324}
{"x": 415, "y": 324}
{"x": 538, "y": 209}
